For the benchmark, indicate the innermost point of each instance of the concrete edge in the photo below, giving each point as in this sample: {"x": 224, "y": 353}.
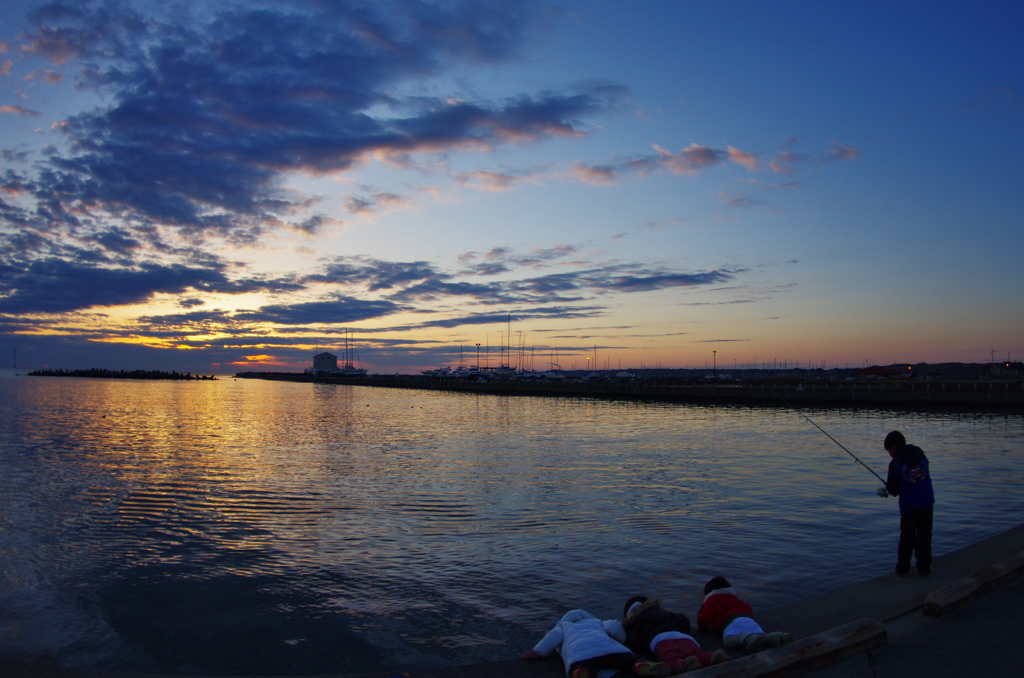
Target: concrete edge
{"x": 953, "y": 596}
{"x": 806, "y": 654}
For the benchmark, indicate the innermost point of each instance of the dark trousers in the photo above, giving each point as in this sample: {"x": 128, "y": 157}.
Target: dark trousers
{"x": 915, "y": 539}
{"x": 622, "y": 662}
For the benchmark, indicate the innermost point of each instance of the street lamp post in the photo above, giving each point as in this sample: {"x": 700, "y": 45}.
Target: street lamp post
{"x": 714, "y": 355}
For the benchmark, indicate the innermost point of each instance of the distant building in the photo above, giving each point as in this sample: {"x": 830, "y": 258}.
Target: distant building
{"x": 325, "y": 363}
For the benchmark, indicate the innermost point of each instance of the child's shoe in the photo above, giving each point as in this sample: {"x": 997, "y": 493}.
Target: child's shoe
{"x": 779, "y": 638}
{"x": 719, "y": 657}
{"x": 659, "y": 669}
{"x": 580, "y": 672}
{"x": 691, "y": 663}
{"x": 753, "y": 642}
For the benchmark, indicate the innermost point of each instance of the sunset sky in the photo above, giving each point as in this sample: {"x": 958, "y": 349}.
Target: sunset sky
{"x": 227, "y": 186}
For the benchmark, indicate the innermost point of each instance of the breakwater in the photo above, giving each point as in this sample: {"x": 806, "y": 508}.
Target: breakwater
{"x": 100, "y": 373}
{"x": 1000, "y": 394}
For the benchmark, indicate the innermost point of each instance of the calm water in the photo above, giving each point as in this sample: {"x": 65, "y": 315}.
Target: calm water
{"x": 251, "y": 527}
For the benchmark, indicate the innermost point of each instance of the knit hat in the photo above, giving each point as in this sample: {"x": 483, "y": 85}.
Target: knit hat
{"x": 631, "y": 602}
{"x": 716, "y": 583}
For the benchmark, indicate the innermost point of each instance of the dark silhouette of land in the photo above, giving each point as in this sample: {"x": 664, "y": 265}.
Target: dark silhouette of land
{"x": 956, "y": 385}
{"x": 100, "y": 373}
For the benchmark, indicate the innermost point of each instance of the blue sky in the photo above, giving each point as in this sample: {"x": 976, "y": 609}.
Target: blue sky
{"x": 226, "y": 186}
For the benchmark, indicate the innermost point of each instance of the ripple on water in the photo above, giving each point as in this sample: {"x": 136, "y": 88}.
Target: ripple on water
{"x": 292, "y": 528}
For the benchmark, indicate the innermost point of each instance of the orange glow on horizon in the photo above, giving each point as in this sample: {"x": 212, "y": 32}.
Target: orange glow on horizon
{"x": 266, "y": 361}
{"x": 151, "y": 342}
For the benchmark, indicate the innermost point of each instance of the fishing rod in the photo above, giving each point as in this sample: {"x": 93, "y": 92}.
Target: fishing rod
{"x": 800, "y": 412}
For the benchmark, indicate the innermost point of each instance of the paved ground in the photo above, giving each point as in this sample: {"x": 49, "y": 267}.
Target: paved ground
{"x": 984, "y": 636}
{"x": 982, "y": 639}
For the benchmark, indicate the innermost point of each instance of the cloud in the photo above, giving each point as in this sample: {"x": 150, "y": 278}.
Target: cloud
{"x": 746, "y": 201}
{"x": 61, "y": 285}
{"x": 209, "y": 111}
{"x": 786, "y": 161}
{"x": 117, "y": 240}
{"x": 567, "y": 287}
{"x": 436, "y": 289}
{"x": 209, "y": 119}
{"x": 197, "y": 321}
{"x": 748, "y": 160}
{"x": 66, "y": 31}
{"x": 454, "y": 125}
{"x": 491, "y": 181}
{"x": 598, "y": 175}
{"x": 696, "y": 158}
{"x": 841, "y": 152}
{"x": 690, "y": 159}
{"x": 502, "y": 260}
{"x": 661, "y": 226}
{"x": 382, "y": 200}
{"x": 635, "y": 278}
{"x": 58, "y": 286}
{"x": 374, "y": 274}
{"x": 211, "y": 108}
{"x": 339, "y": 310}
{"x": 335, "y": 310}
{"x": 499, "y": 318}
{"x": 415, "y": 283}
{"x": 18, "y": 110}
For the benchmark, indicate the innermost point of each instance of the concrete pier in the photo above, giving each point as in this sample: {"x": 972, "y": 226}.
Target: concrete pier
{"x": 897, "y": 393}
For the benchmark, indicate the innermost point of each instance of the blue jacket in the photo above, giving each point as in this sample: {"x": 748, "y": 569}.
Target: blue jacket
{"x": 909, "y": 479}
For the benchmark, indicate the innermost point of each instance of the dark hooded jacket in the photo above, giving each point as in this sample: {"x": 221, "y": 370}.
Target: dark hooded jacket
{"x": 909, "y": 479}
{"x": 650, "y": 620}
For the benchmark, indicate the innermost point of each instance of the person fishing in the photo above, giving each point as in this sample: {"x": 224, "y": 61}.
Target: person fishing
{"x": 911, "y": 481}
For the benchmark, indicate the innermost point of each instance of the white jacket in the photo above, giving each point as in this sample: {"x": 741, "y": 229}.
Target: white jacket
{"x": 581, "y": 636}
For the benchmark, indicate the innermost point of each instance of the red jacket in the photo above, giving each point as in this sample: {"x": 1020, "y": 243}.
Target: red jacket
{"x": 720, "y": 607}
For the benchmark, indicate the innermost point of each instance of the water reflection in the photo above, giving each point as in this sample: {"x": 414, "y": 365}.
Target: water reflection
{"x": 294, "y": 528}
